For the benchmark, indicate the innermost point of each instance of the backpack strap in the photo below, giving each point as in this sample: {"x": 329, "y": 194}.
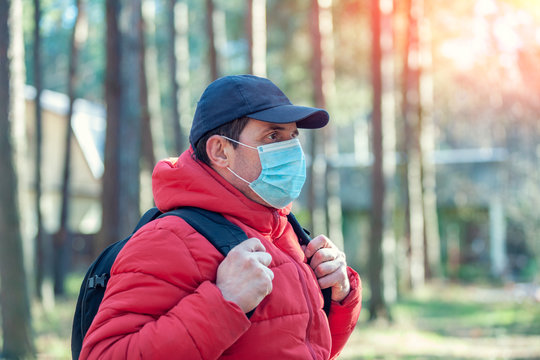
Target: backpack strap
{"x": 221, "y": 233}
{"x": 149, "y": 215}
{"x": 304, "y": 238}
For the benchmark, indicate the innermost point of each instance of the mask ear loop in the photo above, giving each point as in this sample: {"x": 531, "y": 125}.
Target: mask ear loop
{"x": 238, "y": 142}
{"x": 238, "y": 176}
{"x": 228, "y": 168}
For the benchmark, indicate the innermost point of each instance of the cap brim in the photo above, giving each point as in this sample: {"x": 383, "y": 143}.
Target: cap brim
{"x": 304, "y": 117}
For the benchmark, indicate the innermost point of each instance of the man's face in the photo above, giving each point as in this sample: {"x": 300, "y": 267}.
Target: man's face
{"x": 245, "y": 161}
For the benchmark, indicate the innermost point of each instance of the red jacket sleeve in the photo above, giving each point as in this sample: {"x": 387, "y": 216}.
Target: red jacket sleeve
{"x": 151, "y": 299}
{"x": 344, "y": 315}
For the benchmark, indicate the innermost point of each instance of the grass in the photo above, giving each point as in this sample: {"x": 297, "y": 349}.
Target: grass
{"x": 453, "y": 322}
{"x": 441, "y": 322}
{"x": 52, "y": 327}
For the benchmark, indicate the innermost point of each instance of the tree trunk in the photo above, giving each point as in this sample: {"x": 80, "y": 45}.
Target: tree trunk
{"x": 110, "y": 231}
{"x": 147, "y": 144}
{"x": 181, "y": 47}
{"x": 148, "y": 158}
{"x": 412, "y": 119}
{"x": 175, "y": 86}
{"x": 14, "y": 301}
{"x": 212, "y": 53}
{"x": 404, "y": 150}
{"x": 249, "y": 34}
{"x": 152, "y": 80}
{"x": 377, "y": 304}
{"x": 329, "y": 205}
{"x": 44, "y": 263}
{"x": 256, "y": 36}
{"x": 129, "y": 140}
{"x": 418, "y": 104}
{"x": 497, "y": 238}
{"x": 427, "y": 141}
{"x": 389, "y": 153}
{"x": 63, "y": 238}
{"x": 334, "y": 215}
{"x": 317, "y": 169}
{"x": 121, "y": 179}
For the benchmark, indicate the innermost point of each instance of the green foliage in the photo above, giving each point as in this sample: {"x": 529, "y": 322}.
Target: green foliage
{"x": 531, "y": 271}
{"x": 56, "y": 28}
{"x": 470, "y": 273}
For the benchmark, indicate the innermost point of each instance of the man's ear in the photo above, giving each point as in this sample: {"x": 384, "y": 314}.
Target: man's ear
{"x": 217, "y": 149}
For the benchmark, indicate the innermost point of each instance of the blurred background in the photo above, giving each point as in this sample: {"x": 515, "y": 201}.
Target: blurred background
{"x": 427, "y": 175}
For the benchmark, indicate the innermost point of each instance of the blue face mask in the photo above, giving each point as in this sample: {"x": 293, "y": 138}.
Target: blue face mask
{"x": 283, "y": 172}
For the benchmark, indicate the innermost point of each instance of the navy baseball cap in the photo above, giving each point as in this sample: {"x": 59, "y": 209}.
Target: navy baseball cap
{"x": 233, "y": 97}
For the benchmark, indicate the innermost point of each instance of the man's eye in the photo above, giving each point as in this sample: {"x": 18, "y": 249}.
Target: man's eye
{"x": 273, "y": 136}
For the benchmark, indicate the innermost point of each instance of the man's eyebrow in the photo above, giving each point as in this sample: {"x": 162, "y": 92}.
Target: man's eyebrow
{"x": 279, "y": 127}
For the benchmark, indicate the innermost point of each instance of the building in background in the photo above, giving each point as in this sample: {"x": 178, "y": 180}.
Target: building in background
{"x": 88, "y": 126}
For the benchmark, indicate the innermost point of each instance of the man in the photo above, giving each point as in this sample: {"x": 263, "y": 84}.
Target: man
{"x": 172, "y": 294}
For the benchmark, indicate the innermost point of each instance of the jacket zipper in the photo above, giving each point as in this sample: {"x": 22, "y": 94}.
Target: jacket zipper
{"x": 308, "y": 301}
{"x": 304, "y": 291}
{"x": 310, "y": 307}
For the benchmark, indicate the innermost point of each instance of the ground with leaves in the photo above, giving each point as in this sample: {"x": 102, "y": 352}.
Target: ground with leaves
{"x": 444, "y": 321}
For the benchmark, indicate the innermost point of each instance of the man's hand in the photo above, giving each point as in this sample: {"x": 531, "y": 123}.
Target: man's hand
{"x": 329, "y": 265}
{"x": 244, "y": 277}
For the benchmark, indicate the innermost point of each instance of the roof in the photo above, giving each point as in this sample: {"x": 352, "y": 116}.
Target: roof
{"x": 88, "y": 124}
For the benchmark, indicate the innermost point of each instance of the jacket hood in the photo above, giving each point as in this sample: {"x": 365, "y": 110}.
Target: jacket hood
{"x": 184, "y": 181}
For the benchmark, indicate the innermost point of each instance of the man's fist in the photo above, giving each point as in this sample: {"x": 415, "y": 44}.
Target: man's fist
{"x": 244, "y": 277}
{"x": 329, "y": 265}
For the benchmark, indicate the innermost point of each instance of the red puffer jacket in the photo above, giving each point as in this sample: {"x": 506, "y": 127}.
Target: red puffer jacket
{"x": 162, "y": 302}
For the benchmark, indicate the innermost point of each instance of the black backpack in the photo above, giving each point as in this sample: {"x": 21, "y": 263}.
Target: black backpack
{"x": 213, "y": 226}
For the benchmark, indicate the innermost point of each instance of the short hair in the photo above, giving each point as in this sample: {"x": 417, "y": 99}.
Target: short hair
{"x": 231, "y": 130}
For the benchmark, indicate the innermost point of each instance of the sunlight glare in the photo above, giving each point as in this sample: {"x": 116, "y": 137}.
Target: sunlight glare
{"x": 461, "y": 51}
{"x": 498, "y": 30}
{"x": 485, "y": 7}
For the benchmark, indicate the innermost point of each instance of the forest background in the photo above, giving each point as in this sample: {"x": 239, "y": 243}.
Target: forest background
{"x": 428, "y": 174}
